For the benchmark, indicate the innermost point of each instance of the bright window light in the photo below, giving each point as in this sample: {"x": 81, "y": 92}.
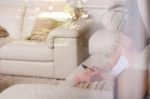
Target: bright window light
{"x": 58, "y": 0}
{"x": 60, "y": 16}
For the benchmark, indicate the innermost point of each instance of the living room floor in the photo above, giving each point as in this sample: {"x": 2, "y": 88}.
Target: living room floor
{"x": 6, "y": 81}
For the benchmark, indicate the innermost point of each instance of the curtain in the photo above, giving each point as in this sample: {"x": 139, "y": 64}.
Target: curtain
{"x": 134, "y": 83}
{"x": 144, "y": 8}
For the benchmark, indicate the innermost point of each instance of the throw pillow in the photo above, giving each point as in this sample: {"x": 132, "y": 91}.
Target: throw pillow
{"x": 41, "y": 28}
{"x": 3, "y": 32}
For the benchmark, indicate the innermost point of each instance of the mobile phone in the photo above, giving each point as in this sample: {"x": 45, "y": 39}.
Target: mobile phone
{"x": 86, "y": 67}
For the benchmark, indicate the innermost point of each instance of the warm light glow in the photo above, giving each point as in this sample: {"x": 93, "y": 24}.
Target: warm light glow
{"x": 60, "y": 16}
{"x": 19, "y": 10}
{"x": 50, "y": 8}
{"x": 58, "y": 0}
{"x": 31, "y": 17}
{"x": 37, "y": 9}
{"x": 77, "y": 3}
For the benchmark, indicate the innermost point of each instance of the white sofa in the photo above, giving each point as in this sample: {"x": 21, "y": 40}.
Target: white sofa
{"x": 31, "y": 58}
{"x": 38, "y": 91}
{"x": 66, "y": 90}
{"x": 99, "y": 55}
{"x": 19, "y": 57}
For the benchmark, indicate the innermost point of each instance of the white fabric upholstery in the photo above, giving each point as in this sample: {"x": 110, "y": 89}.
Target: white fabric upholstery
{"x": 69, "y": 46}
{"x": 103, "y": 42}
{"x": 71, "y": 30}
{"x": 27, "y": 68}
{"x": 38, "y": 91}
{"x": 32, "y": 12}
{"x": 30, "y": 58}
{"x": 60, "y": 32}
{"x": 68, "y": 55}
{"x": 94, "y": 60}
{"x": 27, "y": 51}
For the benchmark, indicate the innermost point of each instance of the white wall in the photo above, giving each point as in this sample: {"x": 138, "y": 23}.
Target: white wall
{"x": 95, "y": 7}
{"x": 20, "y": 2}
{"x": 27, "y": 2}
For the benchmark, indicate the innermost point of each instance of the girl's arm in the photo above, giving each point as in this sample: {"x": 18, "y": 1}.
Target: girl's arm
{"x": 113, "y": 60}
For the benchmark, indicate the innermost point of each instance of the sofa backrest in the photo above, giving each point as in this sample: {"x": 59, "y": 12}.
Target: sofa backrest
{"x": 18, "y": 19}
{"x": 30, "y": 16}
{"x": 11, "y": 18}
{"x": 25, "y": 14}
{"x": 34, "y": 10}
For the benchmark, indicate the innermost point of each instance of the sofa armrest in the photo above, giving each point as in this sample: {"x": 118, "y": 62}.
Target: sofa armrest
{"x": 60, "y": 33}
{"x": 70, "y": 47}
{"x": 68, "y": 54}
{"x": 71, "y": 30}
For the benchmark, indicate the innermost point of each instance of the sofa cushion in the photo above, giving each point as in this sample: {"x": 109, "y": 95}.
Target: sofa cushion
{"x": 23, "y": 50}
{"x": 30, "y": 17}
{"x": 32, "y": 12}
{"x": 41, "y": 28}
{"x": 27, "y": 68}
{"x": 43, "y": 91}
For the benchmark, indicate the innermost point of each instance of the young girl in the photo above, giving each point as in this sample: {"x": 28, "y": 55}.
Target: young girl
{"x": 120, "y": 60}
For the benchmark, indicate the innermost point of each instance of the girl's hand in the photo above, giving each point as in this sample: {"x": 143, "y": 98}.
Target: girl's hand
{"x": 88, "y": 75}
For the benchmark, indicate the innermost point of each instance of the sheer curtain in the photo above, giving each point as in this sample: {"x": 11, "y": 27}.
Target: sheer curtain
{"x": 145, "y": 13}
{"x": 134, "y": 83}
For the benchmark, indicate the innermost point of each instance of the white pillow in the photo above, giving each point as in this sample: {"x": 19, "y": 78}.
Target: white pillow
{"x": 104, "y": 42}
